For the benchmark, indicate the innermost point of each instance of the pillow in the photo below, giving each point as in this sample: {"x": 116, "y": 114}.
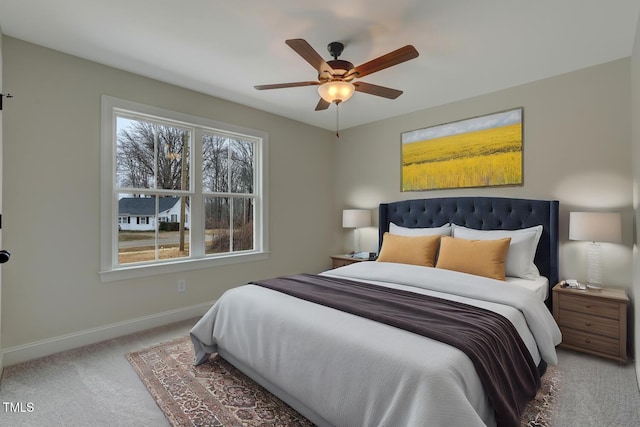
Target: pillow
{"x": 444, "y": 230}
{"x": 479, "y": 257}
{"x": 418, "y": 250}
{"x": 522, "y": 250}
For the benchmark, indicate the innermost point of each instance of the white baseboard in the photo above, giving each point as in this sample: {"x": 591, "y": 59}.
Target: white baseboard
{"x": 22, "y": 353}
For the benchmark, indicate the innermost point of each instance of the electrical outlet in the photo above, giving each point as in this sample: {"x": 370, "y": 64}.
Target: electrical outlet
{"x": 182, "y": 286}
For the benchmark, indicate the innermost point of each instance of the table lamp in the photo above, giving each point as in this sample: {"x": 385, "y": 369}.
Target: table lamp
{"x": 595, "y": 227}
{"x": 356, "y": 218}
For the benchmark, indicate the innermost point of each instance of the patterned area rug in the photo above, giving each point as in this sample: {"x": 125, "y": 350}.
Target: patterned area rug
{"x": 217, "y": 394}
{"x": 538, "y": 411}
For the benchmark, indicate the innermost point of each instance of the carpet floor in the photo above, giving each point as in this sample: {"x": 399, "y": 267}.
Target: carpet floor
{"x": 95, "y": 386}
{"x": 217, "y": 394}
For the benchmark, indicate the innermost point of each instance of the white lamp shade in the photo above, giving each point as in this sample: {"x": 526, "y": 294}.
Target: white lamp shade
{"x": 355, "y": 218}
{"x": 595, "y": 226}
{"x": 336, "y": 91}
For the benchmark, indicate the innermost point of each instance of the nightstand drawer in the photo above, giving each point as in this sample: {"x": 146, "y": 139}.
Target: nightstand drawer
{"x": 590, "y": 324}
{"x": 342, "y": 262}
{"x": 596, "y": 343}
{"x": 596, "y": 307}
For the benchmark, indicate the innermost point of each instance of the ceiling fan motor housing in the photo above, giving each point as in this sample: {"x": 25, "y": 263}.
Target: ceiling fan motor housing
{"x": 340, "y": 68}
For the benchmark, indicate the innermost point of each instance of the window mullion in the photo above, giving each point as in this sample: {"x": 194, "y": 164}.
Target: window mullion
{"x": 156, "y": 236}
{"x": 155, "y": 158}
{"x": 197, "y": 200}
{"x": 229, "y": 167}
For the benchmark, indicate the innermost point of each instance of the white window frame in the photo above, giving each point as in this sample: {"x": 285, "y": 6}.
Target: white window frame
{"x": 110, "y": 270}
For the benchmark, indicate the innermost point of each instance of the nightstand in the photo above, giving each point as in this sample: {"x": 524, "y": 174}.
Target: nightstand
{"x": 342, "y": 260}
{"x": 593, "y": 321}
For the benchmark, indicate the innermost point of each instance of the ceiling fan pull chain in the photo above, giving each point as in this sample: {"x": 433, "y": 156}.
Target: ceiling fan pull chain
{"x": 337, "y": 120}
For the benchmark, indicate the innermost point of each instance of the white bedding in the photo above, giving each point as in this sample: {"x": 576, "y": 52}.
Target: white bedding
{"x": 340, "y": 369}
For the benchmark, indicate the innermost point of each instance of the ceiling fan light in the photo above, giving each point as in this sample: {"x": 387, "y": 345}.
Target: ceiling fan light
{"x": 336, "y": 91}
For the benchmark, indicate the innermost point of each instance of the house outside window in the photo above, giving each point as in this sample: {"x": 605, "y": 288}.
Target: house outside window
{"x": 178, "y": 192}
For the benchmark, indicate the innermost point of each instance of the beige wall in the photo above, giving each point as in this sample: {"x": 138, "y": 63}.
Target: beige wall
{"x": 51, "y": 286}
{"x": 577, "y": 149}
{"x": 635, "y": 158}
{"x": 577, "y": 133}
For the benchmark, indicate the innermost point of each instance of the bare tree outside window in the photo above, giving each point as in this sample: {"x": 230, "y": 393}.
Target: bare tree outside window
{"x": 228, "y": 185}
{"x": 153, "y": 163}
{"x": 150, "y": 155}
{"x": 155, "y": 157}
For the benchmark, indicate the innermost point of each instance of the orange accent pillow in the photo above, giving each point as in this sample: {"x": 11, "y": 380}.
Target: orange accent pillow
{"x": 417, "y": 250}
{"x": 479, "y": 257}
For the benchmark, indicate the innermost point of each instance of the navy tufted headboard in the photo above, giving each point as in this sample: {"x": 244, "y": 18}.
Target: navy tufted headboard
{"x": 483, "y": 213}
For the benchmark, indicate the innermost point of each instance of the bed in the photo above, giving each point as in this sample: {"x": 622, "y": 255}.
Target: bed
{"x": 337, "y": 368}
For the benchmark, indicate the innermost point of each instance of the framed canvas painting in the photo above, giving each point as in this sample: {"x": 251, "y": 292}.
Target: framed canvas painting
{"x": 477, "y": 152}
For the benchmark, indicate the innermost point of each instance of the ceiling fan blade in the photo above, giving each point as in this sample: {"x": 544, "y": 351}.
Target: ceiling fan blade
{"x": 382, "y": 91}
{"x": 309, "y": 54}
{"x": 285, "y": 85}
{"x": 322, "y": 105}
{"x": 385, "y": 61}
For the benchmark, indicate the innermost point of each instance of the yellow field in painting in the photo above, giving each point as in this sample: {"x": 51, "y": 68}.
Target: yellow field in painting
{"x": 474, "y": 159}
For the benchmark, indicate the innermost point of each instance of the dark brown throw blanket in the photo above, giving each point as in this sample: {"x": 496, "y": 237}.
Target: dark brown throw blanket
{"x": 505, "y": 367}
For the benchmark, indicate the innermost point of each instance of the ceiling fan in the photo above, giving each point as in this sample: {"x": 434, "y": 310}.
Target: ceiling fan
{"x": 335, "y": 77}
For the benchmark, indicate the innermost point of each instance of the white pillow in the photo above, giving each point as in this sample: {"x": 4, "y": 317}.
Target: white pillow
{"x": 444, "y": 230}
{"x": 522, "y": 250}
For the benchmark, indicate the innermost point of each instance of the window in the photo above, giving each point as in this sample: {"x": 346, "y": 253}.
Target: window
{"x": 178, "y": 192}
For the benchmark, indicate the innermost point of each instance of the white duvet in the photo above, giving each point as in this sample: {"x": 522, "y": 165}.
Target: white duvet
{"x": 342, "y": 370}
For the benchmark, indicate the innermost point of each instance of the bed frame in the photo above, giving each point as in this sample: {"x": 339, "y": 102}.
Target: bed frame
{"x": 483, "y": 213}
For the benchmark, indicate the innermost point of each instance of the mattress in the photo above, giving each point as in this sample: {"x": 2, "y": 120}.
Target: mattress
{"x": 540, "y": 285}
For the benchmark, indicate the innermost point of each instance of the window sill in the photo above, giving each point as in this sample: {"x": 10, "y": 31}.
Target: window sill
{"x": 132, "y": 272}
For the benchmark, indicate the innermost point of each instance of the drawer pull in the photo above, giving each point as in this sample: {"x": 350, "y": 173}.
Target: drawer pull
{"x": 587, "y": 340}
{"x": 588, "y": 323}
{"x": 588, "y": 306}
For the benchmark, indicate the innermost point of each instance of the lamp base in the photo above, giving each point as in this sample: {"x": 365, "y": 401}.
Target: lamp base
{"x": 594, "y": 268}
{"x": 356, "y": 241}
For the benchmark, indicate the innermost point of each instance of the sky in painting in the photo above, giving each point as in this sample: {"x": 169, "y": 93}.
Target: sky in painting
{"x": 469, "y": 125}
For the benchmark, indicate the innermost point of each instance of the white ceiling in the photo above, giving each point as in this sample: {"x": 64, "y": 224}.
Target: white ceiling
{"x": 225, "y": 47}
